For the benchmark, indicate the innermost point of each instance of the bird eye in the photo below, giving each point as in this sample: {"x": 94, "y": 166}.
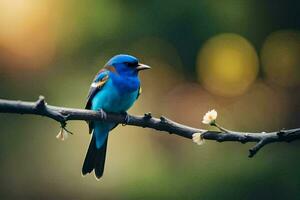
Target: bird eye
{"x": 131, "y": 64}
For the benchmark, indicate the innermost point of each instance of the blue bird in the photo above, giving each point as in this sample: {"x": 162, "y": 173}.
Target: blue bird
{"x": 115, "y": 88}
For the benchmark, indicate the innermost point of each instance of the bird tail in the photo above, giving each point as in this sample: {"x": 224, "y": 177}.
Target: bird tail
{"x": 95, "y": 158}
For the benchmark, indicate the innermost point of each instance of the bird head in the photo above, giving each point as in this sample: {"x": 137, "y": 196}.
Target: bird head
{"x": 125, "y": 65}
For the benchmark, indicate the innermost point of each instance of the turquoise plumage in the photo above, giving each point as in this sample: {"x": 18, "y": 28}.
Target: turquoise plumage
{"x": 114, "y": 89}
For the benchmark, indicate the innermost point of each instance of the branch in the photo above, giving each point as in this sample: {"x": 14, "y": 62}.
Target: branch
{"x": 62, "y": 115}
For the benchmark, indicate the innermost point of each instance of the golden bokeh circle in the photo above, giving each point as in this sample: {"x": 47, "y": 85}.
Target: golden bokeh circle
{"x": 227, "y": 65}
{"x": 280, "y": 56}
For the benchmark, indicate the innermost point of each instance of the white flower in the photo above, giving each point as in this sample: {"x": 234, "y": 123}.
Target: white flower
{"x": 62, "y": 135}
{"x": 210, "y": 117}
{"x": 198, "y": 139}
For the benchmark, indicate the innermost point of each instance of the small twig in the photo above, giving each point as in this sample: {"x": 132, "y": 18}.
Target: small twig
{"x": 220, "y": 127}
{"x": 257, "y": 147}
{"x": 68, "y": 130}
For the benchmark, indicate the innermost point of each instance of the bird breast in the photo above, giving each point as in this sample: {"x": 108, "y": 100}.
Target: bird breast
{"x": 113, "y": 98}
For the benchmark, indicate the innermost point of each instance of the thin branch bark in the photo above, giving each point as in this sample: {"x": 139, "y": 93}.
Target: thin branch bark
{"x": 62, "y": 115}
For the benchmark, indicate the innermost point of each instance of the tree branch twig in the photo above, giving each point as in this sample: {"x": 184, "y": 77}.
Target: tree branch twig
{"x": 62, "y": 115}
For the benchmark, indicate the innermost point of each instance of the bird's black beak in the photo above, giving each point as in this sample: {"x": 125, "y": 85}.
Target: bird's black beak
{"x": 142, "y": 67}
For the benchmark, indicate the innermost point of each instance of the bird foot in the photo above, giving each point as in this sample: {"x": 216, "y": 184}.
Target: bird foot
{"x": 126, "y": 120}
{"x": 102, "y": 114}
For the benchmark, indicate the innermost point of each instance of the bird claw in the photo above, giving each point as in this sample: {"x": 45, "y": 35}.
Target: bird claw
{"x": 126, "y": 120}
{"x": 102, "y": 114}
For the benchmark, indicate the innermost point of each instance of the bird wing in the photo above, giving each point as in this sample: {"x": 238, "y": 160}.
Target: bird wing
{"x": 100, "y": 79}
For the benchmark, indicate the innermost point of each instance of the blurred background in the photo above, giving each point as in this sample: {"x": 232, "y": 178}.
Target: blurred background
{"x": 240, "y": 57}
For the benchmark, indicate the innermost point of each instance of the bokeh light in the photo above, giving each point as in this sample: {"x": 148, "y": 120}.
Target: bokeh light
{"x": 27, "y": 39}
{"x": 227, "y": 65}
{"x": 280, "y": 58}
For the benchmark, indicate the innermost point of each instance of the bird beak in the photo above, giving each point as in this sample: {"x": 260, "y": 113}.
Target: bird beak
{"x": 142, "y": 67}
